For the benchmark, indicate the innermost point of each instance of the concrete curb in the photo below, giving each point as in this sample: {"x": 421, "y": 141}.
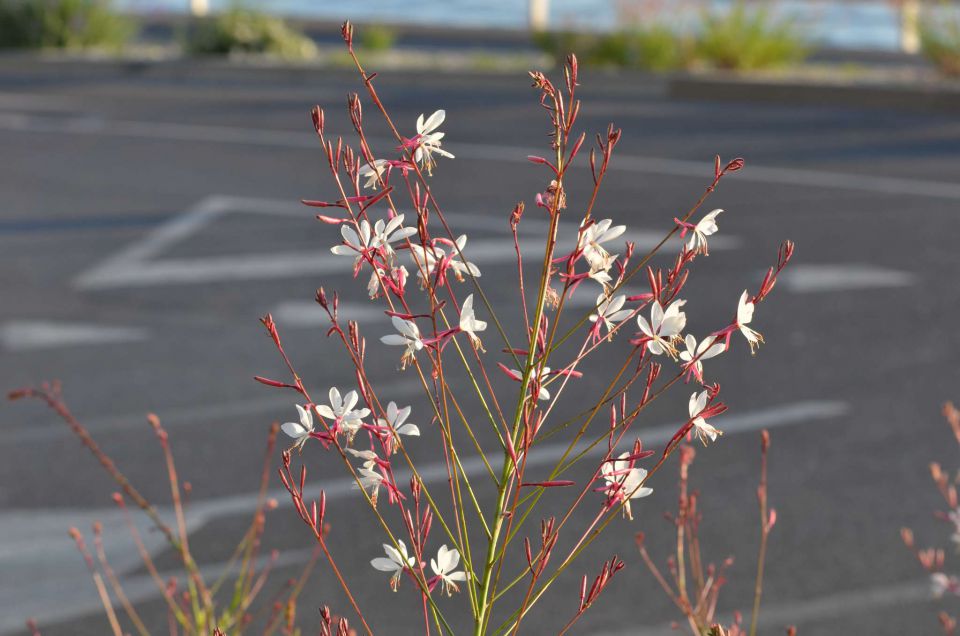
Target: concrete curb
{"x": 212, "y": 69}
{"x": 923, "y": 94}
{"x": 918, "y": 95}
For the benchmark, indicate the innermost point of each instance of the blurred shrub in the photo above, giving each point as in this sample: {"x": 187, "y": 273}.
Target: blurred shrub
{"x": 377, "y": 37}
{"x": 241, "y": 30}
{"x": 744, "y": 40}
{"x": 660, "y": 48}
{"x": 940, "y": 42}
{"x": 62, "y": 24}
{"x": 652, "y": 48}
{"x": 559, "y": 44}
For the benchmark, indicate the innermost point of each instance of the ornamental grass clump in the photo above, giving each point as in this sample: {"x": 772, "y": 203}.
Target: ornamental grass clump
{"x": 747, "y": 39}
{"x": 486, "y": 534}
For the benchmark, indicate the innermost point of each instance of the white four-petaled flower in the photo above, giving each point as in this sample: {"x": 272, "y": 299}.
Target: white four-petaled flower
{"x": 397, "y": 421}
{"x": 386, "y": 233}
{"x": 704, "y": 228}
{"x": 380, "y": 236}
{"x": 703, "y": 430}
{"x": 744, "y": 315}
{"x": 709, "y": 347}
{"x": 609, "y": 312}
{"x": 396, "y": 562}
{"x": 598, "y": 258}
{"x": 428, "y": 140}
{"x": 354, "y": 242}
{"x": 469, "y": 323}
{"x": 368, "y": 475}
{"x": 624, "y": 482}
{"x": 408, "y": 335}
{"x": 444, "y": 565}
{"x": 372, "y": 172}
{"x": 300, "y": 431}
{"x": 664, "y": 326}
{"x": 341, "y": 411}
{"x": 460, "y": 266}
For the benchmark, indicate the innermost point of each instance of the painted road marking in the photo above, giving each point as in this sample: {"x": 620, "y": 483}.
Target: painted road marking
{"x": 34, "y": 544}
{"x": 307, "y": 313}
{"x": 806, "y": 279}
{"x": 270, "y": 408}
{"x": 29, "y": 335}
{"x": 494, "y": 152}
{"x": 139, "y": 265}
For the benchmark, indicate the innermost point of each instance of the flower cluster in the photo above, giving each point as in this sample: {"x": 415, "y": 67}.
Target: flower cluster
{"x": 438, "y": 330}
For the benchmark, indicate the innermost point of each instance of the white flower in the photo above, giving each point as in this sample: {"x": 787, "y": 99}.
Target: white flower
{"x": 394, "y": 280}
{"x": 354, "y": 244}
{"x": 704, "y": 431}
{"x": 744, "y": 316}
{"x": 341, "y": 411}
{"x": 428, "y": 141}
{"x": 368, "y": 456}
{"x": 598, "y": 258}
{"x": 663, "y": 327}
{"x": 397, "y": 561}
{"x": 609, "y": 312}
{"x": 469, "y": 323}
{"x": 704, "y": 351}
{"x": 372, "y": 172}
{"x": 443, "y": 566}
{"x": 426, "y": 259}
{"x": 704, "y": 228}
{"x": 940, "y": 584}
{"x": 385, "y": 233}
{"x": 300, "y": 431}
{"x": 543, "y": 394}
{"x": 460, "y": 266}
{"x": 408, "y": 336}
{"x": 381, "y": 235}
{"x": 396, "y": 421}
{"x": 370, "y": 480}
{"x": 369, "y": 477}
{"x": 623, "y": 482}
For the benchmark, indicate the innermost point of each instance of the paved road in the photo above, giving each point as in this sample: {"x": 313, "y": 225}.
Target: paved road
{"x": 147, "y": 223}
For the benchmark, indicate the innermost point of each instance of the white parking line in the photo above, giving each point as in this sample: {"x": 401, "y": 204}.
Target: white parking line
{"x": 307, "y": 313}
{"x": 495, "y": 152}
{"x": 139, "y": 265}
{"x": 30, "y": 335}
{"x": 270, "y": 408}
{"x": 805, "y": 279}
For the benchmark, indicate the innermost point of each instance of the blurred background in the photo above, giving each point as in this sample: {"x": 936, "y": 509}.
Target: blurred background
{"x": 155, "y": 153}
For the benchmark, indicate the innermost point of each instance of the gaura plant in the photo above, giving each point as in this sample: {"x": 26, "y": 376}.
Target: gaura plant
{"x": 452, "y": 539}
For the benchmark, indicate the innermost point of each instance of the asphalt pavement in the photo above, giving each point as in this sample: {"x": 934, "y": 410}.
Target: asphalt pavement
{"x": 147, "y": 223}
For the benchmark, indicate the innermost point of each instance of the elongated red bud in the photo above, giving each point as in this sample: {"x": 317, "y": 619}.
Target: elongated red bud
{"x": 317, "y": 115}
{"x": 733, "y": 166}
{"x": 558, "y": 483}
{"x": 273, "y": 383}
